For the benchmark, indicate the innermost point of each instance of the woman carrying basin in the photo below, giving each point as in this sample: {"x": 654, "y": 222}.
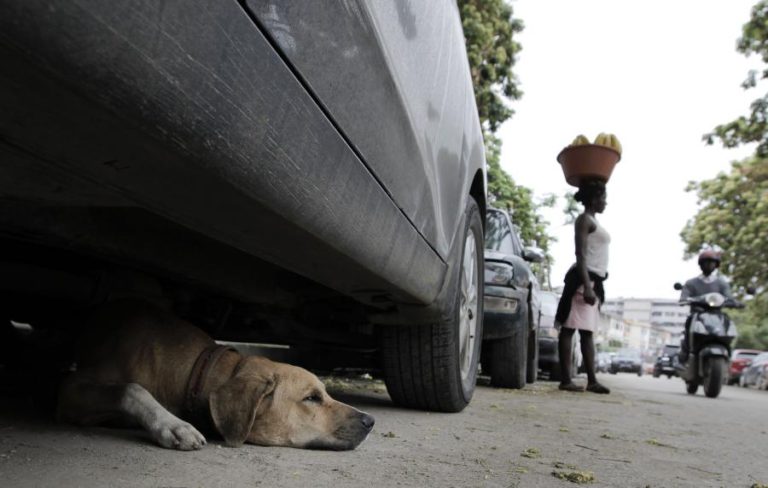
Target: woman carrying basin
{"x": 587, "y": 166}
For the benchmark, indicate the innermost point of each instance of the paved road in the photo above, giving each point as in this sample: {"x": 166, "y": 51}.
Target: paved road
{"x": 647, "y": 433}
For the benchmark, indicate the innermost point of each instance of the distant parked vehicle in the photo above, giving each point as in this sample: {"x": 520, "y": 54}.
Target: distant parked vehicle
{"x": 756, "y": 374}
{"x": 512, "y": 301}
{"x": 603, "y": 362}
{"x": 665, "y": 363}
{"x": 549, "y": 360}
{"x": 740, "y": 359}
{"x": 627, "y": 361}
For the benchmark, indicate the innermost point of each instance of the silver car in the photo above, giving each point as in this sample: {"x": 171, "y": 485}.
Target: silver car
{"x": 308, "y": 174}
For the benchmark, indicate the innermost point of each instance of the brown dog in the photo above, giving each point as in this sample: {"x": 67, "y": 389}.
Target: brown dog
{"x": 142, "y": 365}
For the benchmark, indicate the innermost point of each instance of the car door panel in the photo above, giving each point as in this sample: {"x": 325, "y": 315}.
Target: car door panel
{"x": 186, "y": 110}
{"x": 393, "y": 76}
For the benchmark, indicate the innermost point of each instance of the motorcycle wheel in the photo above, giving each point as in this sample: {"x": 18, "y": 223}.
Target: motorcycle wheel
{"x": 691, "y": 387}
{"x": 713, "y": 378}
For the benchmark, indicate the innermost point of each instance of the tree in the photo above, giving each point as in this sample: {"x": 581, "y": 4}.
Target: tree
{"x": 733, "y": 213}
{"x": 489, "y": 30}
{"x": 752, "y": 128}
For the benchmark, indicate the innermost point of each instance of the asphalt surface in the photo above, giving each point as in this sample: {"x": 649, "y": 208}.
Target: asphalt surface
{"x": 647, "y": 433}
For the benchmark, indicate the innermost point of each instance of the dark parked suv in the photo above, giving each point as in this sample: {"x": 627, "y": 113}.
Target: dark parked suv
{"x": 627, "y": 361}
{"x": 512, "y": 303}
{"x": 280, "y": 172}
{"x": 664, "y": 364}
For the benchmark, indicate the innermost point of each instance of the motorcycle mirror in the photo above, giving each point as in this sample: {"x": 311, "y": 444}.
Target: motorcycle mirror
{"x": 678, "y": 286}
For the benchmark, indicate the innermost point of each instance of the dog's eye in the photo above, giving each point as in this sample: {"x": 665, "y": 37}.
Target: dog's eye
{"x": 314, "y": 398}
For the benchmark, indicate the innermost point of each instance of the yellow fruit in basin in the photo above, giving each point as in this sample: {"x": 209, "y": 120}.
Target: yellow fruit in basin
{"x": 580, "y": 139}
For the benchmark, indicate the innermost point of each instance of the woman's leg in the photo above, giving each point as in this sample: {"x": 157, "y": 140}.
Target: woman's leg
{"x": 564, "y": 349}
{"x": 588, "y": 355}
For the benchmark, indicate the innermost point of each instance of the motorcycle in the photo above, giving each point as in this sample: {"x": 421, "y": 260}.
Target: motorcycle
{"x": 709, "y": 341}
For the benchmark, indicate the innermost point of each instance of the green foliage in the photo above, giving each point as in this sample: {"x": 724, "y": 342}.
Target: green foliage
{"x": 571, "y": 209}
{"x": 489, "y": 30}
{"x": 733, "y": 215}
{"x": 754, "y": 127}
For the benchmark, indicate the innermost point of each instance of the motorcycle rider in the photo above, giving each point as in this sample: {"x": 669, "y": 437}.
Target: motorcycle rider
{"x": 709, "y": 281}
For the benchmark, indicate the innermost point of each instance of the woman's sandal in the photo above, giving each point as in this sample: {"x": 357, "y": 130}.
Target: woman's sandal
{"x": 598, "y": 388}
{"x": 570, "y": 387}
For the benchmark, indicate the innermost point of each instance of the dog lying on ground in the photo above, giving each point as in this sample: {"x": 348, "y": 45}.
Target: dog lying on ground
{"x": 139, "y": 364}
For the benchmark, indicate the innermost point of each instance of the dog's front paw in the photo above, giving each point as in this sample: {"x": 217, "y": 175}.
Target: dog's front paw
{"x": 177, "y": 434}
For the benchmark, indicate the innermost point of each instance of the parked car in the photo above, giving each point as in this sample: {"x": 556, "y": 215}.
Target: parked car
{"x": 512, "y": 303}
{"x": 740, "y": 359}
{"x": 603, "y": 362}
{"x": 664, "y": 364}
{"x": 627, "y": 361}
{"x": 282, "y": 172}
{"x": 549, "y": 359}
{"x": 756, "y": 374}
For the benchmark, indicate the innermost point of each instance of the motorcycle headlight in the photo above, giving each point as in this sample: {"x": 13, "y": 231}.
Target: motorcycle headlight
{"x": 498, "y": 273}
{"x": 714, "y": 299}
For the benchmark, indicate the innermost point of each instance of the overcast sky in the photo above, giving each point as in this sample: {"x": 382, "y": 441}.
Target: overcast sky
{"x": 658, "y": 74}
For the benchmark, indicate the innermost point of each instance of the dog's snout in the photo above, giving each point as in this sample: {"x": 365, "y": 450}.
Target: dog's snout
{"x": 367, "y": 421}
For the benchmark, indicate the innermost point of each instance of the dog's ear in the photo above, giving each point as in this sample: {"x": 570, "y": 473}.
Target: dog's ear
{"x": 233, "y": 406}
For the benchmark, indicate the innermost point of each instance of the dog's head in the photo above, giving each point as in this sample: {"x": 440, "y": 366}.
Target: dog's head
{"x": 276, "y": 404}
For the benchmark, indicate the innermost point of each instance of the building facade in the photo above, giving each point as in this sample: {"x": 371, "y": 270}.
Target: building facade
{"x": 660, "y": 313}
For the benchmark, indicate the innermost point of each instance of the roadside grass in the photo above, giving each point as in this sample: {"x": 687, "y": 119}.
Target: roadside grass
{"x": 531, "y": 453}
{"x": 655, "y": 442}
{"x": 578, "y": 477}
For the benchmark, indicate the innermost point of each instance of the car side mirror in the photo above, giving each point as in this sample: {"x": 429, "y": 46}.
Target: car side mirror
{"x": 533, "y": 255}
{"x": 678, "y": 286}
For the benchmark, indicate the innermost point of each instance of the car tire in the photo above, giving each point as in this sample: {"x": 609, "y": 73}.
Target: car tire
{"x": 532, "y": 368}
{"x": 640, "y": 371}
{"x": 434, "y": 367}
{"x": 509, "y": 360}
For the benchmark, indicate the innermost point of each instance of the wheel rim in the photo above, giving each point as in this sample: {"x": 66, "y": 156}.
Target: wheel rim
{"x": 468, "y": 307}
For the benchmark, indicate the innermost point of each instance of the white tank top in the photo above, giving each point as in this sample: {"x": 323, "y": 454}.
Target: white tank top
{"x": 597, "y": 249}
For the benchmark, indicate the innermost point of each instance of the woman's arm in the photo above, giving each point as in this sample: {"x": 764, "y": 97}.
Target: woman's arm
{"x": 584, "y": 225}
